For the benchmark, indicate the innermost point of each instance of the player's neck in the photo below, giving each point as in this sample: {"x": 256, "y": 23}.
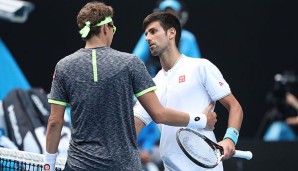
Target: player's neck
{"x": 95, "y": 41}
{"x": 169, "y": 60}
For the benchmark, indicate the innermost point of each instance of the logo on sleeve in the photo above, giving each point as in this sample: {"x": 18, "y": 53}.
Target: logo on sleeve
{"x": 221, "y": 83}
{"x": 182, "y": 79}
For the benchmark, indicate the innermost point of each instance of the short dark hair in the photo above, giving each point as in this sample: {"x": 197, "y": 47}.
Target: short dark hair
{"x": 167, "y": 21}
{"x": 94, "y": 12}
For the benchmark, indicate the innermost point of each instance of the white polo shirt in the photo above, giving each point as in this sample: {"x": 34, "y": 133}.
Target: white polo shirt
{"x": 190, "y": 86}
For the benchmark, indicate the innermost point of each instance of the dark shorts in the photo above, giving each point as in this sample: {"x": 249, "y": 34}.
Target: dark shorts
{"x": 67, "y": 168}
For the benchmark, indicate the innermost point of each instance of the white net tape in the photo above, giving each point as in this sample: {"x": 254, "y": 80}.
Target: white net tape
{"x": 28, "y": 157}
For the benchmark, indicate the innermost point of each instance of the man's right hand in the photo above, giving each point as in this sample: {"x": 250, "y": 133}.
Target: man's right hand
{"x": 211, "y": 116}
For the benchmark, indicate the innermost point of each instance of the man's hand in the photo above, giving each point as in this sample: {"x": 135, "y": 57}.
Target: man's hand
{"x": 292, "y": 100}
{"x": 229, "y": 148}
{"x": 145, "y": 156}
{"x": 211, "y": 117}
{"x": 293, "y": 120}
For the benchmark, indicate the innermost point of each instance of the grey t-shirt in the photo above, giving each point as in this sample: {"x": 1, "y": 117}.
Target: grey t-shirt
{"x": 103, "y": 131}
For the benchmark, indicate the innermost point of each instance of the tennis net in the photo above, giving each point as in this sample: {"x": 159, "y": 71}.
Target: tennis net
{"x": 15, "y": 160}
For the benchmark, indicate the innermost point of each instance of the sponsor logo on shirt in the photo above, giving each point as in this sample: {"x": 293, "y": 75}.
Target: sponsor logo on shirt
{"x": 197, "y": 118}
{"x": 182, "y": 79}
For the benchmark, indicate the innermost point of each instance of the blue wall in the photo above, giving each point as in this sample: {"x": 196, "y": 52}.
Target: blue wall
{"x": 11, "y": 76}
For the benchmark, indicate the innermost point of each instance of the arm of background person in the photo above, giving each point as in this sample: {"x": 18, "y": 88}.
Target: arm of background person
{"x": 292, "y": 100}
{"x": 141, "y": 49}
{"x": 234, "y": 121}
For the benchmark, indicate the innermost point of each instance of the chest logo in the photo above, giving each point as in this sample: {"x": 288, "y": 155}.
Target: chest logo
{"x": 221, "y": 84}
{"x": 182, "y": 79}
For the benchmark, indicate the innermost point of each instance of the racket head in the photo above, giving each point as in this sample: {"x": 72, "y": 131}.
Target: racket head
{"x": 198, "y": 148}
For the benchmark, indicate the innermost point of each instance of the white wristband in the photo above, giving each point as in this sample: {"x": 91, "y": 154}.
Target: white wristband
{"x": 50, "y": 161}
{"x": 197, "y": 121}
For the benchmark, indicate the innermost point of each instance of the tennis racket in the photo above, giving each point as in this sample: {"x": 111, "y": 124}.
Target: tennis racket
{"x": 201, "y": 150}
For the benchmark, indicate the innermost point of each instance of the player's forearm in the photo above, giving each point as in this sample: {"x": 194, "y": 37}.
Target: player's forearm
{"x": 235, "y": 117}
{"x": 172, "y": 117}
{"x": 167, "y": 116}
{"x": 160, "y": 114}
{"x": 53, "y": 135}
{"x": 235, "y": 111}
{"x": 295, "y": 105}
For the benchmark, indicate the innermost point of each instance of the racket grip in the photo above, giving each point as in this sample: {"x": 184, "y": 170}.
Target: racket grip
{"x": 243, "y": 154}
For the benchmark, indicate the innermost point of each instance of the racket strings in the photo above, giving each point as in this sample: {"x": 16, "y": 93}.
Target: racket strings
{"x": 198, "y": 148}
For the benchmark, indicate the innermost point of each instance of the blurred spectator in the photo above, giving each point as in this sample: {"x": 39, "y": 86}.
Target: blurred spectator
{"x": 282, "y": 116}
{"x": 292, "y": 101}
{"x": 148, "y": 144}
{"x": 188, "y": 44}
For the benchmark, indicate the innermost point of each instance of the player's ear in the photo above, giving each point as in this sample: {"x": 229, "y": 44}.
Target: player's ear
{"x": 105, "y": 28}
{"x": 172, "y": 33}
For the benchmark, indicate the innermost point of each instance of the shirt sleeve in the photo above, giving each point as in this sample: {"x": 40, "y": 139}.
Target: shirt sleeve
{"x": 141, "y": 113}
{"x": 213, "y": 80}
{"x": 58, "y": 89}
{"x": 141, "y": 80}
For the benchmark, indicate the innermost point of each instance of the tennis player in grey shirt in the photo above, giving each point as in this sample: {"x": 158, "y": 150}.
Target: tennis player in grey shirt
{"x": 98, "y": 83}
{"x": 102, "y": 118}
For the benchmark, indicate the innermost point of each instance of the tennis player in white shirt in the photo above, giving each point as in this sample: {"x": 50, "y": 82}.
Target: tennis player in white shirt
{"x": 186, "y": 84}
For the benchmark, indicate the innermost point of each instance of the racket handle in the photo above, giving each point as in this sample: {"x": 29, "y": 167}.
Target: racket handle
{"x": 243, "y": 154}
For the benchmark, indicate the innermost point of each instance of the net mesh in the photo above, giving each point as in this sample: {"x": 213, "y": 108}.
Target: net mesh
{"x": 14, "y": 160}
{"x": 198, "y": 148}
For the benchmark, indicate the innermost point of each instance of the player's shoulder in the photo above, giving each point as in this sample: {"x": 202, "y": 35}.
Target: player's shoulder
{"x": 196, "y": 61}
{"x": 120, "y": 54}
{"x": 157, "y": 76}
{"x": 69, "y": 59}
{"x": 124, "y": 57}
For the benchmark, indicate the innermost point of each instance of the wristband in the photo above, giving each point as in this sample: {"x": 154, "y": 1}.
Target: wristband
{"x": 197, "y": 121}
{"x": 50, "y": 161}
{"x": 232, "y": 134}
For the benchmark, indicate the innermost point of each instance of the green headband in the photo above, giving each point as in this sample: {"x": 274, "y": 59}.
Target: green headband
{"x": 84, "y": 31}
